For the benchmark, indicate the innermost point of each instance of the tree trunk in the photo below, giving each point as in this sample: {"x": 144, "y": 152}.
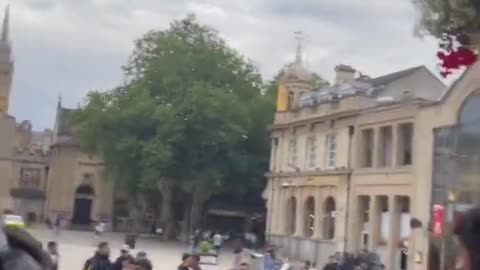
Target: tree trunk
{"x": 200, "y": 194}
{"x": 167, "y": 221}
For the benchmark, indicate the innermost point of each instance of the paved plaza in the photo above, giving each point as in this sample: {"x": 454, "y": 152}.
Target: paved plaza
{"x": 76, "y": 247}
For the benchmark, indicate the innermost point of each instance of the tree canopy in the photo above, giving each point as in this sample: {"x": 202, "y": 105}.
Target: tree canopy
{"x": 440, "y": 17}
{"x": 191, "y": 115}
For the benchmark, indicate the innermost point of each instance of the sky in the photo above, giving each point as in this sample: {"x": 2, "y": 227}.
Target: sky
{"x": 69, "y": 47}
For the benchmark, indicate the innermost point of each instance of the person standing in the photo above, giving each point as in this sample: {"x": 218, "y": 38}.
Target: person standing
{"x": 101, "y": 259}
{"x": 52, "y": 249}
{"x": 217, "y": 242}
{"x": 124, "y": 255}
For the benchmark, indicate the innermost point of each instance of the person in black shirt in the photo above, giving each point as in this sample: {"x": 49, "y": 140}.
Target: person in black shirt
{"x": 186, "y": 258}
{"x": 331, "y": 265}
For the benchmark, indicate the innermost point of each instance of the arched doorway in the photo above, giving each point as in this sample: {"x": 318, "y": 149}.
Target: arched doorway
{"x": 82, "y": 209}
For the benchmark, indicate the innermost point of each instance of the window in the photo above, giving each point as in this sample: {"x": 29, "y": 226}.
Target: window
{"x": 292, "y": 154}
{"x": 309, "y": 217}
{"x": 329, "y": 219}
{"x": 405, "y": 138}
{"x": 331, "y": 151}
{"x": 290, "y": 100}
{"x": 385, "y": 147}
{"x": 29, "y": 178}
{"x": 366, "y": 148}
{"x": 311, "y": 153}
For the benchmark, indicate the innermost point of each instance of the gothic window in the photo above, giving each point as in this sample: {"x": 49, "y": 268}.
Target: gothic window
{"x": 331, "y": 151}
{"x": 291, "y": 216}
{"x": 311, "y": 153}
{"x": 329, "y": 219}
{"x": 309, "y": 217}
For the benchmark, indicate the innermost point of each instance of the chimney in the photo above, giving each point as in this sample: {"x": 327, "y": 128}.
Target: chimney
{"x": 344, "y": 74}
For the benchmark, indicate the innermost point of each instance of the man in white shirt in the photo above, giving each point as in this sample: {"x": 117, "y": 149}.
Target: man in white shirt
{"x": 217, "y": 242}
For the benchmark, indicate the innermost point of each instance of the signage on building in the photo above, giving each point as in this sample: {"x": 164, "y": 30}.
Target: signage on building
{"x": 438, "y": 220}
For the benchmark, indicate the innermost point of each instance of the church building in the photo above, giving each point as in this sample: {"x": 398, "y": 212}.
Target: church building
{"x": 43, "y": 174}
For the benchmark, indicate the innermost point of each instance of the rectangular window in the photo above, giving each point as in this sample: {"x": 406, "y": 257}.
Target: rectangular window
{"x": 366, "y": 148}
{"x": 331, "y": 151}
{"x": 405, "y": 144}
{"x": 292, "y": 154}
{"x": 311, "y": 153}
{"x": 385, "y": 147}
{"x": 29, "y": 178}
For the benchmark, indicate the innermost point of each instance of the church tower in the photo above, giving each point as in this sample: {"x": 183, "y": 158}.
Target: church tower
{"x": 295, "y": 81}
{"x": 6, "y": 63}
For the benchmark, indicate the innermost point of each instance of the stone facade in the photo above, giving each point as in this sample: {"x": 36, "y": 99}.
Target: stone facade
{"x": 45, "y": 174}
{"x": 351, "y": 164}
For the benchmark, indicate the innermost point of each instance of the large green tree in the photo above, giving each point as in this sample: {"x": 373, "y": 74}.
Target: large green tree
{"x": 191, "y": 117}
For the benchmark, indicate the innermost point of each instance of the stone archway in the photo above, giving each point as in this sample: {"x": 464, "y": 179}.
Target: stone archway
{"x": 82, "y": 208}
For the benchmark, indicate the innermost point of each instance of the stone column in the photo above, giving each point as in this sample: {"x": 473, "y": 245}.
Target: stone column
{"x": 355, "y": 224}
{"x": 318, "y": 232}
{"x": 394, "y": 233}
{"x": 395, "y": 146}
{"x": 374, "y": 230}
{"x": 299, "y": 212}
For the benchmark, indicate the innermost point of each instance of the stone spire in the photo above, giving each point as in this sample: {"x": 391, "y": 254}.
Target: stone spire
{"x": 6, "y": 26}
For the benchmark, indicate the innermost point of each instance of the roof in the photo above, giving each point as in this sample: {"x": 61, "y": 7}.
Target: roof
{"x": 363, "y": 86}
{"x": 386, "y": 79}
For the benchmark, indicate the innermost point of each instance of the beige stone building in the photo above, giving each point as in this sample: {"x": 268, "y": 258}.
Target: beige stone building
{"x": 352, "y": 164}
{"x": 44, "y": 174}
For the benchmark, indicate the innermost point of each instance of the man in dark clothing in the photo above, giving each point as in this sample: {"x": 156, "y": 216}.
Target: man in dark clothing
{"x": 331, "y": 265}
{"x": 124, "y": 255}
{"x": 101, "y": 260}
{"x": 186, "y": 261}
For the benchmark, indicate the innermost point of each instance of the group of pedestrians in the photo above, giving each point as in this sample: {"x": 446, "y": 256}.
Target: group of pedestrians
{"x": 126, "y": 261}
{"x": 347, "y": 261}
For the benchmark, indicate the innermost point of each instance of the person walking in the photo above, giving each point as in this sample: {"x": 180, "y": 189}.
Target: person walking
{"x": 52, "y": 249}
{"x": 124, "y": 255}
{"x": 101, "y": 259}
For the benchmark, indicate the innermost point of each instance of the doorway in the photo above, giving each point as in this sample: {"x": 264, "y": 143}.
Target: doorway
{"x": 82, "y": 209}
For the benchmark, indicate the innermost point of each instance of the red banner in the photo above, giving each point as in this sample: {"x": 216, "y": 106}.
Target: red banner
{"x": 438, "y": 220}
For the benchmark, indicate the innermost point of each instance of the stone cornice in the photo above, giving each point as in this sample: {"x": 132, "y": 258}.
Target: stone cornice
{"x": 340, "y": 171}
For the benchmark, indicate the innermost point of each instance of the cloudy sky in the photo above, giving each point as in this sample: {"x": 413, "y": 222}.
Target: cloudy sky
{"x": 73, "y": 46}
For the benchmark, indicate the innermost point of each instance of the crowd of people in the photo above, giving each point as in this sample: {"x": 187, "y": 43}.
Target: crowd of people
{"x": 347, "y": 261}
{"x": 126, "y": 261}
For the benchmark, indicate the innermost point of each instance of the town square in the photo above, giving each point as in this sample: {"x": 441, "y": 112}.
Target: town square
{"x": 258, "y": 135}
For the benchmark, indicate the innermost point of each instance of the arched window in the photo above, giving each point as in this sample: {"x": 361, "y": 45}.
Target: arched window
{"x": 329, "y": 218}
{"x": 291, "y": 216}
{"x": 309, "y": 217}
{"x": 290, "y": 100}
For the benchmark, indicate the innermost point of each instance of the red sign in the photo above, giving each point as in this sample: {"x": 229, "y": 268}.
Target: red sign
{"x": 438, "y": 220}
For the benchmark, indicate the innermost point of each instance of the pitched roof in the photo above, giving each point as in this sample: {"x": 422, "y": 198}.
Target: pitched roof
{"x": 385, "y": 79}
{"x": 65, "y": 121}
